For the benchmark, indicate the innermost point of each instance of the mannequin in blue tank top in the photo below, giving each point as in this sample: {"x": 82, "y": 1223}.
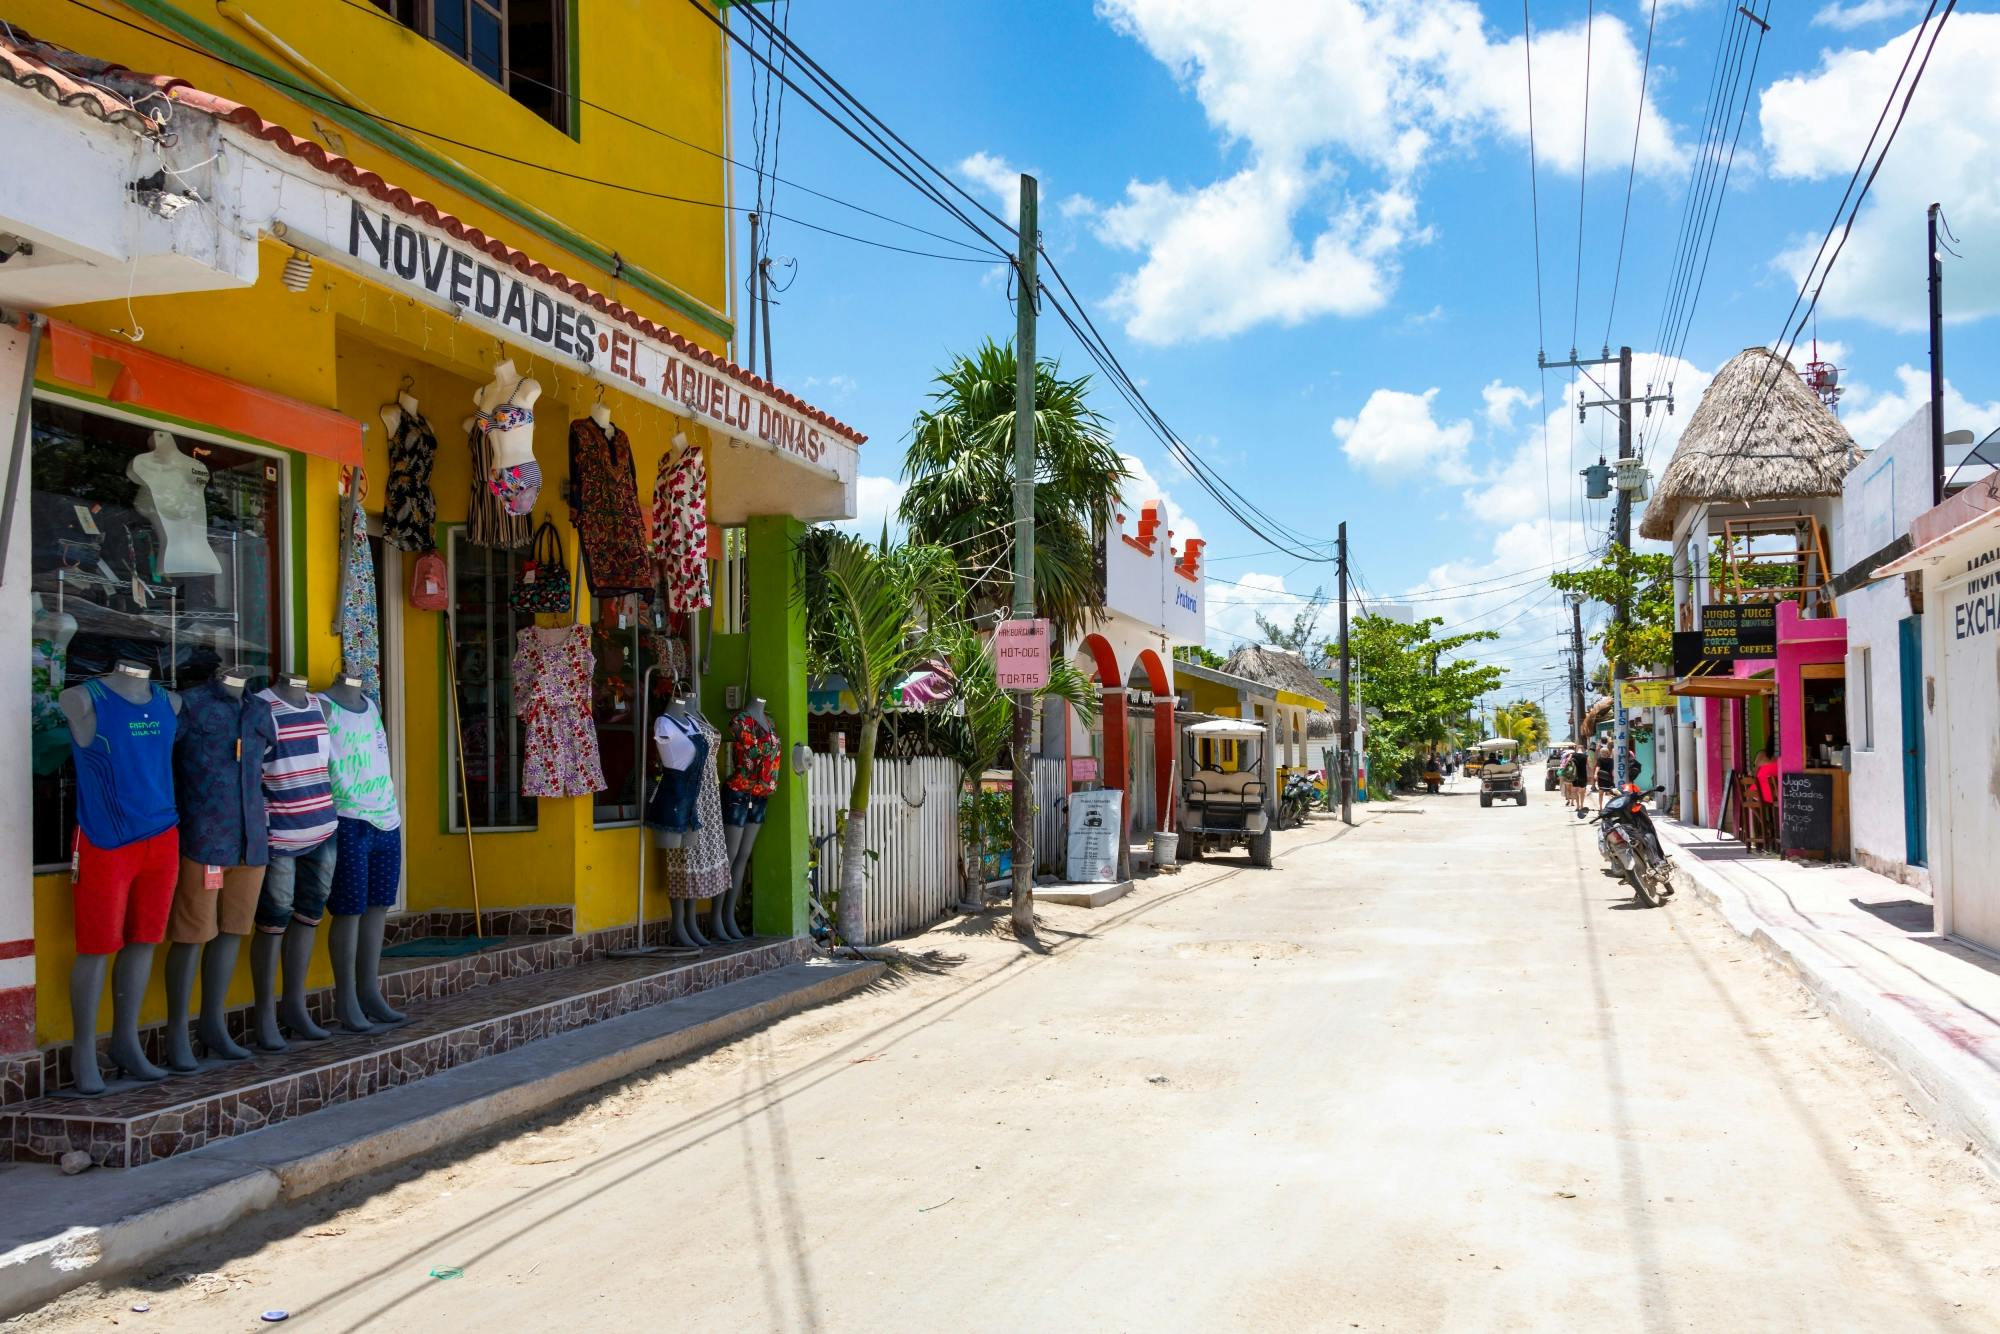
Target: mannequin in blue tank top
{"x": 131, "y": 682}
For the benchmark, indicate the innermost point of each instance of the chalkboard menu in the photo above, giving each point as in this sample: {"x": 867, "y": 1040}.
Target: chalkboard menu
{"x": 1805, "y": 812}
{"x": 1735, "y": 630}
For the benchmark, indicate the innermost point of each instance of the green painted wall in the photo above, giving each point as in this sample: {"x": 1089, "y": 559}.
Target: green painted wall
{"x": 776, "y": 645}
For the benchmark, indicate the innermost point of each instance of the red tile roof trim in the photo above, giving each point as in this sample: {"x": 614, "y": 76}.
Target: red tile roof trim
{"x": 97, "y": 88}
{"x": 26, "y": 60}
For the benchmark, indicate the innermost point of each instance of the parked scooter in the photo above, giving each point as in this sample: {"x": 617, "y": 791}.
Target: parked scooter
{"x": 1629, "y": 845}
{"x": 1300, "y": 796}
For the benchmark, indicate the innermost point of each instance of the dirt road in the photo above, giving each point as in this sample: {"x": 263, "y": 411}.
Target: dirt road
{"x": 1430, "y": 1073}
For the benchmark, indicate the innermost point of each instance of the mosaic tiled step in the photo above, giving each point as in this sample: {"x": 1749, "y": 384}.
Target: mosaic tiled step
{"x": 405, "y": 982}
{"x": 132, "y": 1125}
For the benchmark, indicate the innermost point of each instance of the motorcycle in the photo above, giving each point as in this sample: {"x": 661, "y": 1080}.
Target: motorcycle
{"x": 1299, "y": 797}
{"x": 1631, "y": 847}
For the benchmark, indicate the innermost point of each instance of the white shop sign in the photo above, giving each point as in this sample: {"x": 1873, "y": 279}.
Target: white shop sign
{"x": 1093, "y": 836}
{"x": 403, "y": 252}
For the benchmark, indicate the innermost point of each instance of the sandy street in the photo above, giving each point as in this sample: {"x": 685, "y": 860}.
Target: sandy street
{"x": 1430, "y": 1073}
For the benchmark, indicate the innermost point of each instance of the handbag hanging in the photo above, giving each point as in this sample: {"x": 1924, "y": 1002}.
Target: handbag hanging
{"x": 544, "y": 584}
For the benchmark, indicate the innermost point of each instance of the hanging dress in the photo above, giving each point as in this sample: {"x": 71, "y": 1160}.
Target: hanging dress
{"x": 605, "y": 510}
{"x": 409, "y": 515}
{"x": 552, "y": 671}
{"x": 699, "y": 869}
{"x": 680, "y": 529}
{"x": 358, "y": 619}
{"x": 488, "y": 524}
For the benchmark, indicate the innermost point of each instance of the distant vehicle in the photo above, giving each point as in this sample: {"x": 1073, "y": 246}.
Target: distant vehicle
{"x": 1499, "y": 775}
{"x": 1552, "y": 771}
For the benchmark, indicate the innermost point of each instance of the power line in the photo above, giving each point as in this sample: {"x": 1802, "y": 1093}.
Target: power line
{"x": 1582, "y": 170}
{"x": 377, "y": 12}
{"x": 304, "y": 90}
{"x": 1631, "y": 172}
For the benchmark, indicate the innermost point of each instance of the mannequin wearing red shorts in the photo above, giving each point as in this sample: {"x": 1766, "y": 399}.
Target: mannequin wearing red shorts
{"x": 127, "y": 857}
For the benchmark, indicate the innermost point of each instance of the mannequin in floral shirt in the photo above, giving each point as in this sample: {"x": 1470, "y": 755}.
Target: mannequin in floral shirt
{"x": 753, "y": 776}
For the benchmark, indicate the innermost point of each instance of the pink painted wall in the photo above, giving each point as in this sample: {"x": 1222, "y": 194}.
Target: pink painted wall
{"x": 1801, "y": 640}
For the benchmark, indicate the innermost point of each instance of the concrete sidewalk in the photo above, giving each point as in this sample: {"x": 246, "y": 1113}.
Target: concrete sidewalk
{"x": 57, "y": 1232}
{"x": 1865, "y": 946}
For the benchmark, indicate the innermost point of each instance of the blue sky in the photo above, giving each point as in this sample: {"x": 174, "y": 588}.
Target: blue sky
{"x": 1305, "y": 228}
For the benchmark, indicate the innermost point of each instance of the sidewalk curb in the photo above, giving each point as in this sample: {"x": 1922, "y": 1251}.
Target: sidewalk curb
{"x": 198, "y": 1194}
{"x": 1957, "y": 1093}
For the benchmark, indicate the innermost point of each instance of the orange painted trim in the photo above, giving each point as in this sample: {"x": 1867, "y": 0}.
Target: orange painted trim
{"x": 161, "y": 384}
{"x": 1135, "y": 543}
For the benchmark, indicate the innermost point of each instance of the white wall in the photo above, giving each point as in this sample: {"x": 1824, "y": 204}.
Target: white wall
{"x": 1884, "y": 494}
{"x": 17, "y": 891}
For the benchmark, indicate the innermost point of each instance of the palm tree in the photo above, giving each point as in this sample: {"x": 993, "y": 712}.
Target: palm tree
{"x": 980, "y": 730}
{"x": 874, "y": 613}
{"x": 960, "y": 474}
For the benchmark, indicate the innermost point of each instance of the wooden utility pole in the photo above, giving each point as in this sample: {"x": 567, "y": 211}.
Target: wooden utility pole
{"x": 1621, "y": 731}
{"x": 1024, "y": 549}
{"x": 1346, "y": 758}
{"x": 1937, "y": 362}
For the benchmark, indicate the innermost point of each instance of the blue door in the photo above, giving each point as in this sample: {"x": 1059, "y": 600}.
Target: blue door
{"x": 1910, "y": 662}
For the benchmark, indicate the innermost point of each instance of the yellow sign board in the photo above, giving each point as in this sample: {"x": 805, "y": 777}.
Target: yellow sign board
{"x": 1648, "y": 694}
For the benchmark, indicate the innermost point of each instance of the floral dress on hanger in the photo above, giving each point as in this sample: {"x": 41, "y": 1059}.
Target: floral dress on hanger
{"x": 358, "y": 620}
{"x": 552, "y": 674}
{"x": 680, "y": 528}
{"x": 409, "y": 517}
{"x": 605, "y": 510}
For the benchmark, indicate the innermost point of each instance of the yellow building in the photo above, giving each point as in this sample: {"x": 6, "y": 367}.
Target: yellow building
{"x": 258, "y": 225}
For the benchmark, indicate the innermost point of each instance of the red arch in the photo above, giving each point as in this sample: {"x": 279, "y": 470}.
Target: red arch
{"x": 1104, "y": 660}
{"x": 1156, "y": 671}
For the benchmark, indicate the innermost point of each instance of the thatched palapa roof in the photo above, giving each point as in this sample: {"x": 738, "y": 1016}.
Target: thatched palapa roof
{"x": 1285, "y": 670}
{"x": 1757, "y": 434}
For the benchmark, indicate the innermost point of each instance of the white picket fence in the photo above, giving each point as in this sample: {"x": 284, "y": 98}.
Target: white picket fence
{"x": 913, "y": 878}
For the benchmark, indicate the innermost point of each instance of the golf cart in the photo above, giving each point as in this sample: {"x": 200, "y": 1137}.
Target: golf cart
{"x": 1223, "y": 808}
{"x": 1500, "y": 774}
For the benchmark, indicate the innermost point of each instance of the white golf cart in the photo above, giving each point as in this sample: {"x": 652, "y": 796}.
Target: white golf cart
{"x": 1225, "y": 797}
{"x": 1500, "y": 772}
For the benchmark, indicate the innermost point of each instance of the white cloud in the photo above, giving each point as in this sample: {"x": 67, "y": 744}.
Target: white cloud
{"x": 1314, "y": 219}
{"x": 1395, "y": 434}
{"x": 1232, "y": 609}
{"x": 1862, "y": 13}
{"x": 875, "y": 502}
{"x": 1872, "y": 417}
{"x": 1223, "y": 258}
{"x": 1812, "y": 126}
{"x": 998, "y": 177}
{"x": 1501, "y": 400}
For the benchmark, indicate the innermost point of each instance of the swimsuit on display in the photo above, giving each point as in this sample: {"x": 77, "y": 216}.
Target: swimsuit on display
{"x": 518, "y": 487}
{"x": 489, "y": 523}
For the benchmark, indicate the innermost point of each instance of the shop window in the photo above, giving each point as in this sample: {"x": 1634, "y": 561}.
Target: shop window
{"x": 521, "y": 45}
{"x": 625, "y": 639}
{"x": 487, "y": 625}
{"x": 163, "y": 547}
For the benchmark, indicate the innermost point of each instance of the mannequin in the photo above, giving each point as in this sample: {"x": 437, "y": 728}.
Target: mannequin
{"x": 369, "y": 862}
{"x": 754, "y": 757}
{"x": 219, "y": 785}
{"x": 392, "y": 413}
{"x": 300, "y": 870}
{"x": 506, "y": 408}
{"x": 681, "y": 747}
{"x": 171, "y": 486}
{"x": 601, "y": 414}
{"x": 122, "y": 873}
